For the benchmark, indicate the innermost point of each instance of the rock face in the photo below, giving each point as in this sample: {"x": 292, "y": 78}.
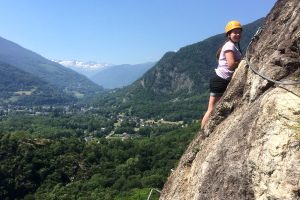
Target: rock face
{"x": 250, "y": 148}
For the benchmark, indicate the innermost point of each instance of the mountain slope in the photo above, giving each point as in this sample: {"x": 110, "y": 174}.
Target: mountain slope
{"x": 120, "y": 75}
{"x": 22, "y": 88}
{"x": 46, "y": 70}
{"x": 250, "y": 147}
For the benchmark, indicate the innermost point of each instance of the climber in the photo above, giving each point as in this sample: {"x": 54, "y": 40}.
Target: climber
{"x": 228, "y": 56}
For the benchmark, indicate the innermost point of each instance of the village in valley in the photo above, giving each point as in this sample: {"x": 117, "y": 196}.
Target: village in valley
{"x": 117, "y": 125}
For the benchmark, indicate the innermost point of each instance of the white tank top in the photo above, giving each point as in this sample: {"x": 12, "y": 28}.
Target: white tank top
{"x": 222, "y": 69}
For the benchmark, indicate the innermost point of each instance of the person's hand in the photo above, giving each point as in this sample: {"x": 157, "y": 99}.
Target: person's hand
{"x": 236, "y": 64}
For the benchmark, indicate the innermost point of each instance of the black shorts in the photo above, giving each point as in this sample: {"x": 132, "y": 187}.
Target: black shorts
{"x": 217, "y": 85}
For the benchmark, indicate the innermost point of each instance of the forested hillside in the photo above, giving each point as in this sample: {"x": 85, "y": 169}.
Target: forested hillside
{"x": 21, "y": 88}
{"x": 69, "y": 167}
{"x": 48, "y": 71}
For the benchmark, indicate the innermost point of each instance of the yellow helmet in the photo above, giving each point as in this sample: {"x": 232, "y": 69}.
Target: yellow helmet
{"x": 232, "y": 25}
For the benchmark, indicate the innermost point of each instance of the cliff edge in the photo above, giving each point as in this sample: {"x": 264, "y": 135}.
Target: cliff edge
{"x": 250, "y": 148}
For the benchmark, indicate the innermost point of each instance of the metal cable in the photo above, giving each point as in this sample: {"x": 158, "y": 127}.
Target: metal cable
{"x": 148, "y": 198}
{"x": 261, "y": 75}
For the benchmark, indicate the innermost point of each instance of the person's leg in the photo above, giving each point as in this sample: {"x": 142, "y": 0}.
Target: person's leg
{"x": 211, "y": 104}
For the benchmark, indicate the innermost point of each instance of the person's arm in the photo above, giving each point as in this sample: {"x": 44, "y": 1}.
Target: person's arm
{"x": 232, "y": 64}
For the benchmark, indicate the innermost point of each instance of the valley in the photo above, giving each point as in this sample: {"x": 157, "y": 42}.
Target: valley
{"x": 93, "y": 122}
{"x": 64, "y": 137}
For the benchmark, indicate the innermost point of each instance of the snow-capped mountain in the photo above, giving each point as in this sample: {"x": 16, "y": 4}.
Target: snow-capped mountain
{"x": 107, "y": 75}
{"x": 118, "y": 76}
{"x": 86, "y": 68}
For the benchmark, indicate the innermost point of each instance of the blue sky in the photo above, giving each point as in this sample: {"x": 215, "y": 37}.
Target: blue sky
{"x": 119, "y": 31}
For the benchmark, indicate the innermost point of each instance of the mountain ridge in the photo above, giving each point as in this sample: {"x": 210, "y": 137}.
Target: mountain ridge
{"x": 107, "y": 75}
{"x": 49, "y": 71}
{"x": 118, "y": 76}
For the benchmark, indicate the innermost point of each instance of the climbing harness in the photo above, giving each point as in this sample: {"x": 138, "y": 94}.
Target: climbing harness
{"x": 148, "y": 198}
{"x": 255, "y": 37}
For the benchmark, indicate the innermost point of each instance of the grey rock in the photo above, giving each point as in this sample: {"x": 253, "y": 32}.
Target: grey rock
{"x": 250, "y": 148}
